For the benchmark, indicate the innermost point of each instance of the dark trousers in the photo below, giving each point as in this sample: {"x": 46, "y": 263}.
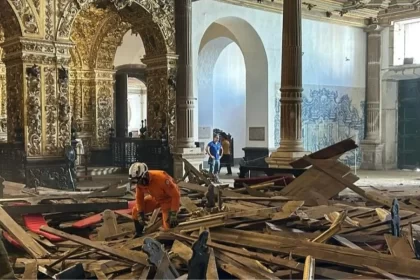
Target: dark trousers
{"x": 225, "y": 161}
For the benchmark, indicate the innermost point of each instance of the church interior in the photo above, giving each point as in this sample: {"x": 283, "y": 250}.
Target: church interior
{"x": 325, "y": 90}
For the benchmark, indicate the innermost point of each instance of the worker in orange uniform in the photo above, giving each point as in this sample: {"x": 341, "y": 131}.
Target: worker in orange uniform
{"x": 155, "y": 188}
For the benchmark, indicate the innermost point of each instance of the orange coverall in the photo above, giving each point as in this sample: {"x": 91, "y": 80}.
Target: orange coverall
{"x": 162, "y": 192}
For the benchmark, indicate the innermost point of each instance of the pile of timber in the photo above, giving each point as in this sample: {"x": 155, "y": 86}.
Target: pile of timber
{"x": 299, "y": 230}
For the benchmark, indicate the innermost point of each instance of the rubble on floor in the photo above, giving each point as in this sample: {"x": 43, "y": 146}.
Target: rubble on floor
{"x": 278, "y": 228}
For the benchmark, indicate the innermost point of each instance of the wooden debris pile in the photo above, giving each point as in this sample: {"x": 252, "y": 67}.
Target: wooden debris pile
{"x": 297, "y": 228}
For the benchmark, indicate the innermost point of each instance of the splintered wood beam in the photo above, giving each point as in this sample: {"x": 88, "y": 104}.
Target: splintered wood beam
{"x": 124, "y": 254}
{"x": 322, "y": 252}
{"x": 399, "y": 246}
{"x": 24, "y": 239}
{"x": 64, "y": 208}
{"x": 309, "y": 271}
{"x": 88, "y": 264}
{"x": 383, "y": 273}
{"x": 31, "y": 271}
{"x": 333, "y": 230}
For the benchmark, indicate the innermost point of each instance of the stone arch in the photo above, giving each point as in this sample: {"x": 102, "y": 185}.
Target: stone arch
{"x": 216, "y": 38}
{"x": 154, "y": 22}
{"x": 18, "y": 18}
{"x": 108, "y": 40}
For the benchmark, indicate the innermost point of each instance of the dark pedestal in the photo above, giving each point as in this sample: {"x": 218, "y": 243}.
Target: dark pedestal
{"x": 100, "y": 158}
{"x": 51, "y": 173}
{"x": 255, "y": 156}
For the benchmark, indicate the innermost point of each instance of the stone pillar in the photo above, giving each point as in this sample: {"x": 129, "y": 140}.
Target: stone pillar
{"x": 371, "y": 146}
{"x": 185, "y": 100}
{"x": 121, "y": 89}
{"x": 291, "y": 145}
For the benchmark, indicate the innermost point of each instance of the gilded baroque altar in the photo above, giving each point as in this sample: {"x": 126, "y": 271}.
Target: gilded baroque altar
{"x": 57, "y": 72}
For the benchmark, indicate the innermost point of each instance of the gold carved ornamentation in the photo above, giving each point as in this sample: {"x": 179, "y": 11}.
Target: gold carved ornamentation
{"x": 49, "y": 19}
{"x": 155, "y": 17}
{"x": 33, "y": 103}
{"x": 3, "y": 102}
{"x": 64, "y": 108}
{"x": 121, "y": 4}
{"x": 104, "y": 115}
{"x": 9, "y": 21}
{"x": 107, "y": 42}
{"x": 27, "y": 16}
{"x": 161, "y": 106}
{"x": 171, "y": 115}
{"x": 14, "y": 83}
{"x": 3, "y": 97}
{"x": 50, "y": 110}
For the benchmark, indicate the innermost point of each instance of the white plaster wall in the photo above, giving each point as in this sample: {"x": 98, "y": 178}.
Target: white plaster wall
{"x": 334, "y": 55}
{"x": 131, "y": 50}
{"x": 229, "y": 98}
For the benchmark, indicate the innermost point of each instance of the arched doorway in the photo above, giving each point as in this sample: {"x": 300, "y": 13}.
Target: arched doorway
{"x": 137, "y": 106}
{"x": 232, "y": 82}
{"x": 98, "y": 31}
{"x": 130, "y": 100}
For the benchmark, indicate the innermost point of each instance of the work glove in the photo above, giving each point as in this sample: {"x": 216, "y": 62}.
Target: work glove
{"x": 173, "y": 219}
{"x": 142, "y": 219}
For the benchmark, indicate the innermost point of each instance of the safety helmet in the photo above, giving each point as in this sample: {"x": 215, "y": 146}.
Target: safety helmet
{"x": 138, "y": 170}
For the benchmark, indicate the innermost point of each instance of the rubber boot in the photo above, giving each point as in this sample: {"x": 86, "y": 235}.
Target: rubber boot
{"x": 139, "y": 229}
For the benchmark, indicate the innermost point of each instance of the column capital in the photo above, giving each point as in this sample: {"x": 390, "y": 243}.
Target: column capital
{"x": 36, "y": 51}
{"x": 374, "y": 28}
{"x": 161, "y": 61}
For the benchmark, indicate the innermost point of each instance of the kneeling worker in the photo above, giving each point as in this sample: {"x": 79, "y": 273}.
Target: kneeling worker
{"x": 161, "y": 192}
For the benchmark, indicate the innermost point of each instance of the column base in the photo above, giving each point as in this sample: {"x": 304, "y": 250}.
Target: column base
{"x": 194, "y": 155}
{"x": 280, "y": 159}
{"x": 50, "y": 173}
{"x": 372, "y": 155}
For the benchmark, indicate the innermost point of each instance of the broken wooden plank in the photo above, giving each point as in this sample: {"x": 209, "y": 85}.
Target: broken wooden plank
{"x": 383, "y": 273}
{"x": 309, "y": 271}
{"x": 253, "y": 265}
{"x": 65, "y": 256}
{"x": 182, "y": 251}
{"x": 88, "y": 265}
{"x": 188, "y": 204}
{"x": 109, "y": 226}
{"x": 333, "y": 230}
{"x": 25, "y": 240}
{"x": 320, "y": 251}
{"x": 64, "y": 208}
{"x": 399, "y": 247}
{"x": 333, "y": 151}
{"x": 268, "y": 258}
{"x": 100, "y": 275}
{"x": 127, "y": 255}
{"x": 31, "y": 270}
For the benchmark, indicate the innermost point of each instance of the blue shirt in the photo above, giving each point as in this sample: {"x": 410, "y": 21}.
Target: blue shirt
{"x": 215, "y": 149}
